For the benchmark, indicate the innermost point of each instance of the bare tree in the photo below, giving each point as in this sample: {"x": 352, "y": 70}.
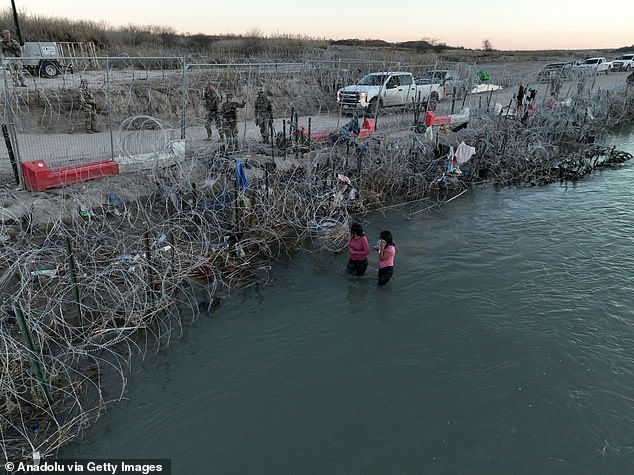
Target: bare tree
{"x": 486, "y": 45}
{"x": 432, "y": 40}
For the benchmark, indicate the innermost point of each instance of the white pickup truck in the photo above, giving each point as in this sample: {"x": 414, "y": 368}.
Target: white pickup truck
{"x": 596, "y": 65}
{"x": 386, "y": 89}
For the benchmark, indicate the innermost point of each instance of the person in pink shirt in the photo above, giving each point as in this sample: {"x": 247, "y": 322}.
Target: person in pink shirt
{"x": 359, "y": 250}
{"x": 386, "y": 250}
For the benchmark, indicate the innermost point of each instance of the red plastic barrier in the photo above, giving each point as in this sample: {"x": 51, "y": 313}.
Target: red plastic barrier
{"x": 321, "y": 136}
{"x": 38, "y": 177}
{"x": 433, "y": 119}
{"x": 367, "y": 129}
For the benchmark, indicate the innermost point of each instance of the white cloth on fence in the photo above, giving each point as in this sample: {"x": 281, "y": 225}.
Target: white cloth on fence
{"x": 463, "y": 153}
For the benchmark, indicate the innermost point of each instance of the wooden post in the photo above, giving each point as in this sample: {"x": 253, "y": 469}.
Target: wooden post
{"x": 73, "y": 278}
{"x": 290, "y": 125}
{"x": 272, "y": 136}
{"x": 170, "y": 220}
{"x": 149, "y": 272}
{"x": 236, "y": 209}
{"x": 309, "y": 128}
{"x": 489, "y": 99}
{"x": 464, "y": 99}
{"x": 266, "y": 177}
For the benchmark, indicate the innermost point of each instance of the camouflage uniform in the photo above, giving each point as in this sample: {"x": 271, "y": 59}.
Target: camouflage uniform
{"x": 263, "y": 115}
{"x": 230, "y": 119}
{"x": 212, "y": 104}
{"x": 12, "y": 49}
{"x": 89, "y": 106}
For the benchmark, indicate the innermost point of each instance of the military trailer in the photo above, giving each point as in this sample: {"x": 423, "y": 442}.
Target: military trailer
{"x": 42, "y": 58}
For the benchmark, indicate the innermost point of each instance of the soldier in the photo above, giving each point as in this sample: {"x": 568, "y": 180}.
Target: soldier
{"x": 263, "y": 115}
{"x": 89, "y": 106}
{"x": 212, "y": 105}
{"x": 12, "y": 49}
{"x": 230, "y": 119}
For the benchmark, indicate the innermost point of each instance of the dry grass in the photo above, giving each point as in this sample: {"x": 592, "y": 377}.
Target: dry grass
{"x": 149, "y": 40}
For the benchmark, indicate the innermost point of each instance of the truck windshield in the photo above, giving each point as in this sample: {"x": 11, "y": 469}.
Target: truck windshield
{"x": 591, "y": 61}
{"x": 373, "y": 80}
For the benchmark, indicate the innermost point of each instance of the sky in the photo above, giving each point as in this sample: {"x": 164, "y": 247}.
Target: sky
{"x": 507, "y": 24}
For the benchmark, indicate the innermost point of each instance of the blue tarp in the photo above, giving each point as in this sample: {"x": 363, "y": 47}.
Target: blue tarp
{"x": 241, "y": 177}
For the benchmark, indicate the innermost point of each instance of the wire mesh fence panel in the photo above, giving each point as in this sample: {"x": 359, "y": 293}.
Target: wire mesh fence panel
{"x": 135, "y": 109}
{"x": 107, "y": 109}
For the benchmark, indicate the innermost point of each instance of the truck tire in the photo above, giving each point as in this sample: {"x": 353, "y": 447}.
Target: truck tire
{"x": 372, "y": 106}
{"x": 49, "y": 69}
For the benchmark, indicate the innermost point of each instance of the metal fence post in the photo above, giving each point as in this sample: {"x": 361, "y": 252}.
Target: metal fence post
{"x": 36, "y": 363}
{"x": 10, "y": 122}
{"x": 184, "y": 82}
{"x": 109, "y": 102}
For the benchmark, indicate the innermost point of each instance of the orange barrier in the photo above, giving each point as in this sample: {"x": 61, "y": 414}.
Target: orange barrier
{"x": 38, "y": 177}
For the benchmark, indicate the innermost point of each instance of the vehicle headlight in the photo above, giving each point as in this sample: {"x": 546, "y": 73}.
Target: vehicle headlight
{"x": 363, "y": 96}
{"x": 339, "y": 96}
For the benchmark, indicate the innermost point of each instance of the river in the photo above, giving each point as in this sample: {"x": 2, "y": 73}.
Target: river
{"x": 504, "y": 344}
